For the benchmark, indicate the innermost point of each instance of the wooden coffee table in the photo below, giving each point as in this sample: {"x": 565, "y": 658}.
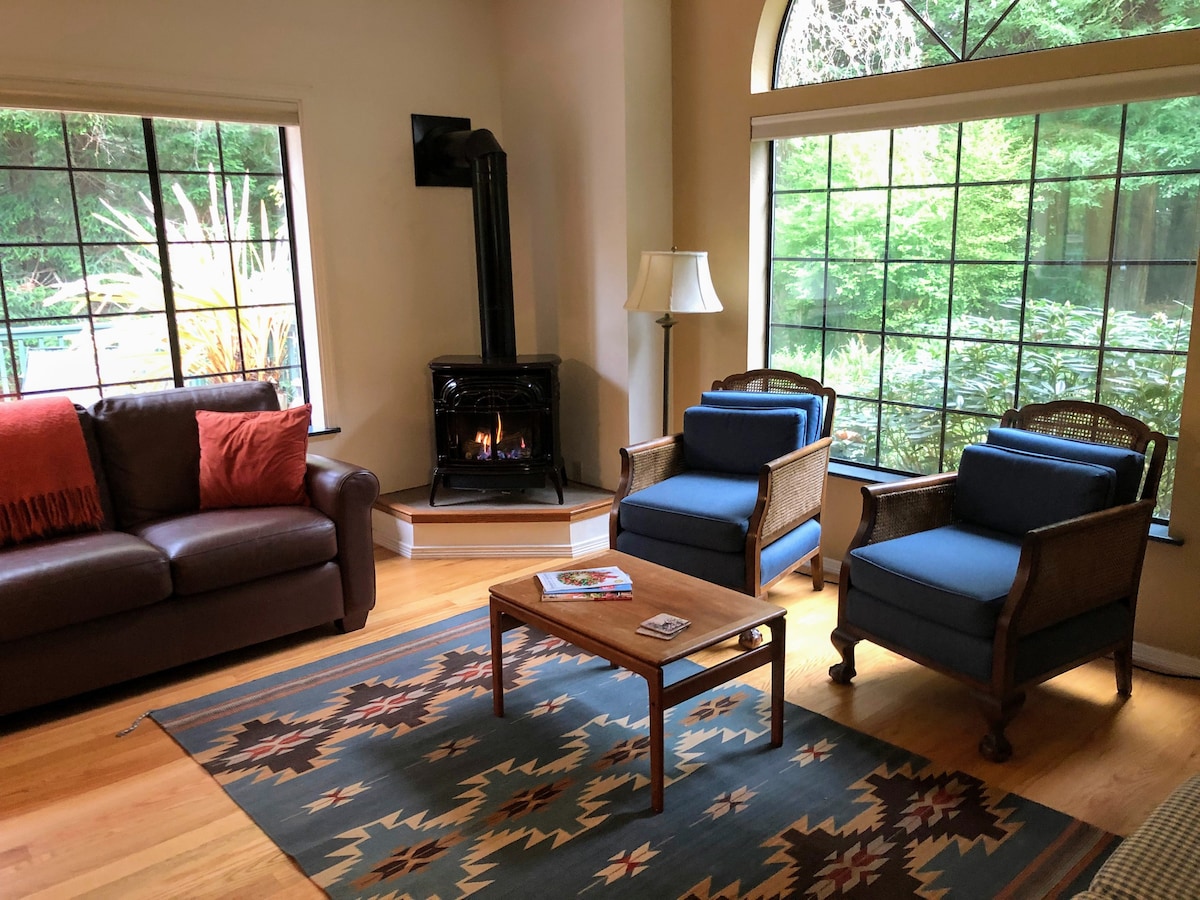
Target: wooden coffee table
{"x": 607, "y": 629}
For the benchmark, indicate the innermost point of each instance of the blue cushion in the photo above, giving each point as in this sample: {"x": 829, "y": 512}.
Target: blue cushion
{"x": 1128, "y": 464}
{"x": 704, "y": 509}
{"x": 812, "y": 404}
{"x": 726, "y": 569}
{"x": 957, "y": 575}
{"x": 1014, "y": 492}
{"x": 1037, "y": 653}
{"x": 740, "y": 441}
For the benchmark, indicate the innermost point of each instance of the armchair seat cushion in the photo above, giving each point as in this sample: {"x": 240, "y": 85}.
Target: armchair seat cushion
{"x": 810, "y": 404}
{"x": 708, "y": 510}
{"x": 958, "y": 575}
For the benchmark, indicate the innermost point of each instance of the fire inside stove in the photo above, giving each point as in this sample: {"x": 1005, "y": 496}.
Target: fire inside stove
{"x": 495, "y": 444}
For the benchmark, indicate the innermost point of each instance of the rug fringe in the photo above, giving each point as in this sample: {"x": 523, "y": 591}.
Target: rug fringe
{"x": 135, "y": 724}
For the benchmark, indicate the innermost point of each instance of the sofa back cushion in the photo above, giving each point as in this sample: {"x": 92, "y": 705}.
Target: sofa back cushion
{"x": 812, "y": 404}
{"x": 1013, "y": 492}
{"x": 150, "y": 445}
{"x": 739, "y": 441}
{"x": 1128, "y": 464}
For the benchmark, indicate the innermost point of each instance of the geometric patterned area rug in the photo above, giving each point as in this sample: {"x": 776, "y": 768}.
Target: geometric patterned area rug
{"x": 383, "y": 773}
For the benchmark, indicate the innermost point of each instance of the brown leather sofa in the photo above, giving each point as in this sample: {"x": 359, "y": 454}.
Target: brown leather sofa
{"x": 165, "y": 583}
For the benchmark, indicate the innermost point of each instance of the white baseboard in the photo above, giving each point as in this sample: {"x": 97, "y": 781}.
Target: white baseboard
{"x": 1166, "y": 661}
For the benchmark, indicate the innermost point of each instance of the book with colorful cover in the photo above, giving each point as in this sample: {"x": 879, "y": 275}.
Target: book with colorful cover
{"x": 585, "y": 581}
{"x": 591, "y": 595}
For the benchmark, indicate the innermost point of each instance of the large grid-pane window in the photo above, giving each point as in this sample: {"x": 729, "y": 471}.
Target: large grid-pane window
{"x": 139, "y": 254}
{"x": 937, "y": 275}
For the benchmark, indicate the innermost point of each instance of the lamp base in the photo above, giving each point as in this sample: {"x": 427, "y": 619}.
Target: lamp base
{"x": 666, "y": 322}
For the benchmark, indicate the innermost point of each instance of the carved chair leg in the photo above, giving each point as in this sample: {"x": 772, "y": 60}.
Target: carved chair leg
{"x": 817, "y": 567}
{"x": 1123, "y": 665}
{"x": 842, "y": 672}
{"x": 998, "y": 711}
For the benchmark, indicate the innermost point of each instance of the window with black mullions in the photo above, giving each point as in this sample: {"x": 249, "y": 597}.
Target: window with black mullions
{"x": 139, "y": 254}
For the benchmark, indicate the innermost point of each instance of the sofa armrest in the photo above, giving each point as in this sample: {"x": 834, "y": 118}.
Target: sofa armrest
{"x": 905, "y": 507}
{"x": 346, "y": 494}
{"x": 791, "y": 490}
{"x": 1080, "y": 564}
{"x": 642, "y": 465}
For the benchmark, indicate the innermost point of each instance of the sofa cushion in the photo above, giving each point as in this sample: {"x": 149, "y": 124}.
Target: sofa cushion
{"x": 740, "y": 441}
{"x": 223, "y": 547}
{"x": 151, "y": 446}
{"x": 812, "y": 405}
{"x": 253, "y": 458}
{"x": 956, "y": 575}
{"x": 62, "y": 581}
{"x": 711, "y": 510}
{"x": 1128, "y": 464}
{"x": 1014, "y": 492}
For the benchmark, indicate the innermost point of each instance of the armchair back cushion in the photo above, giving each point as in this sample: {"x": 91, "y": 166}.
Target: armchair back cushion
{"x": 1012, "y": 491}
{"x": 740, "y": 441}
{"x": 1127, "y": 464}
{"x": 810, "y": 403}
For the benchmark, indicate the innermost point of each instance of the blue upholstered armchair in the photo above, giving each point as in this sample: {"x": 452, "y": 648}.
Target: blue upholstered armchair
{"x": 735, "y": 499}
{"x": 1019, "y": 566}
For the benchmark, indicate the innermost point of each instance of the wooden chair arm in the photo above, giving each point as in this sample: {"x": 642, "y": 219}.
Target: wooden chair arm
{"x": 1071, "y": 567}
{"x": 642, "y": 465}
{"x": 905, "y": 507}
{"x": 791, "y": 490}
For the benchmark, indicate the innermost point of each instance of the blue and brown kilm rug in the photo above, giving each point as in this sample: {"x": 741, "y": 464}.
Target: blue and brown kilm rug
{"x": 383, "y": 773}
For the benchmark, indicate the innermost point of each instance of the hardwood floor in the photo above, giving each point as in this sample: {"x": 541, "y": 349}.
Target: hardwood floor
{"x": 86, "y": 813}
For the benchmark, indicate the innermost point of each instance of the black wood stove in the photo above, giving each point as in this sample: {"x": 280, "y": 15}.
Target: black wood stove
{"x": 495, "y": 415}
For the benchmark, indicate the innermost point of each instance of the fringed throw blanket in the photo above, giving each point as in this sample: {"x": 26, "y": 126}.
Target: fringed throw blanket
{"x": 46, "y": 481}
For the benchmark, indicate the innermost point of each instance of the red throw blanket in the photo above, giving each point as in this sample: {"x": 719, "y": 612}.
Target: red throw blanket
{"x": 46, "y": 481}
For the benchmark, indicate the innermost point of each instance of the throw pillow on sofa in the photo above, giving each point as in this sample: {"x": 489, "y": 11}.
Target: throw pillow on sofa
{"x": 253, "y": 458}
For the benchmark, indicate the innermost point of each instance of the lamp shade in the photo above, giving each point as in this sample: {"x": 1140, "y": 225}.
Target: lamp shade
{"x": 673, "y": 281}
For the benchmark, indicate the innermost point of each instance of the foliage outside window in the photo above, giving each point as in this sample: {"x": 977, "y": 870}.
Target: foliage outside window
{"x": 937, "y": 275}
{"x": 140, "y": 254}
{"x": 830, "y": 40}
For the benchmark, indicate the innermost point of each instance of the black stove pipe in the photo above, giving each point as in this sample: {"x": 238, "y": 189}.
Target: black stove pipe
{"x": 493, "y": 251}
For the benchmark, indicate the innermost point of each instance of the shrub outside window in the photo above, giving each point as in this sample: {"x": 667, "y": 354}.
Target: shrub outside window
{"x": 140, "y": 254}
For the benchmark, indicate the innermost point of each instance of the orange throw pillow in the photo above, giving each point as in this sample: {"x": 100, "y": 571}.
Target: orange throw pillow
{"x": 253, "y": 458}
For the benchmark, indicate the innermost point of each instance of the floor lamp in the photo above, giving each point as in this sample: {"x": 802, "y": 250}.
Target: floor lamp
{"x": 672, "y": 281}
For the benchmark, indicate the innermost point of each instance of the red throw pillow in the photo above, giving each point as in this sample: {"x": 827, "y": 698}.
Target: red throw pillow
{"x": 253, "y": 458}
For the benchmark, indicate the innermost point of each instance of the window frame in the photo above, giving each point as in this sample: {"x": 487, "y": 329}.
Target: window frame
{"x": 297, "y": 241}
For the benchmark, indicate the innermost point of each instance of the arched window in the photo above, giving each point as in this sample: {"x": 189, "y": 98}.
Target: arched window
{"x": 829, "y": 40}
{"x": 936, "y": 275}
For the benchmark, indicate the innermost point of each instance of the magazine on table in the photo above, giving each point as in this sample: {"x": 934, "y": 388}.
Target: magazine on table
{"x": 585, "y": 581}
{"x": 663, "y": 626}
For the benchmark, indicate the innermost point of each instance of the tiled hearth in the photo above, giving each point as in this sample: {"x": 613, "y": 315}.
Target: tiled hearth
{"x": 493, "y": 523}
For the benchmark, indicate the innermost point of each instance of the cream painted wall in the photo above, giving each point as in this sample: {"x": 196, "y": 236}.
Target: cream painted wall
{"x": 586, "y": 96}
{"x": 718, "y": 207}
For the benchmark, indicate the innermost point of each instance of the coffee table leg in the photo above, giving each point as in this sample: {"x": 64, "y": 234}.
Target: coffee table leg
{"x": 778, "y": 630}
{"x": 656, "y": 740}
{"x": 497, "y": 662}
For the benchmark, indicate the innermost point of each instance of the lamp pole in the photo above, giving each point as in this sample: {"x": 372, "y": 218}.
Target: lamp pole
{"x": 666, "y": 322}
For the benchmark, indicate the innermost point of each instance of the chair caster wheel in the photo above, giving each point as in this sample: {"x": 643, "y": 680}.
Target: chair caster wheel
{"x": 750, "y": 639}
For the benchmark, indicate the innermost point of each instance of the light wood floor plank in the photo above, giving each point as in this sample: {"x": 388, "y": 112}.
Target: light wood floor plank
{"x": 84, "y": 813}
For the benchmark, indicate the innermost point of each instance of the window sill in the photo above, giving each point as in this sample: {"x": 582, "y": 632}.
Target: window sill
{"x": 1158, "y": 530}
{"x": 323, "y": 432}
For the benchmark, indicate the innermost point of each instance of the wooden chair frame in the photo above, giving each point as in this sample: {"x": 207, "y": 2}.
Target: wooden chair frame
{"x": 1065, "y": 569}
{"x": 781, "y": 381}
